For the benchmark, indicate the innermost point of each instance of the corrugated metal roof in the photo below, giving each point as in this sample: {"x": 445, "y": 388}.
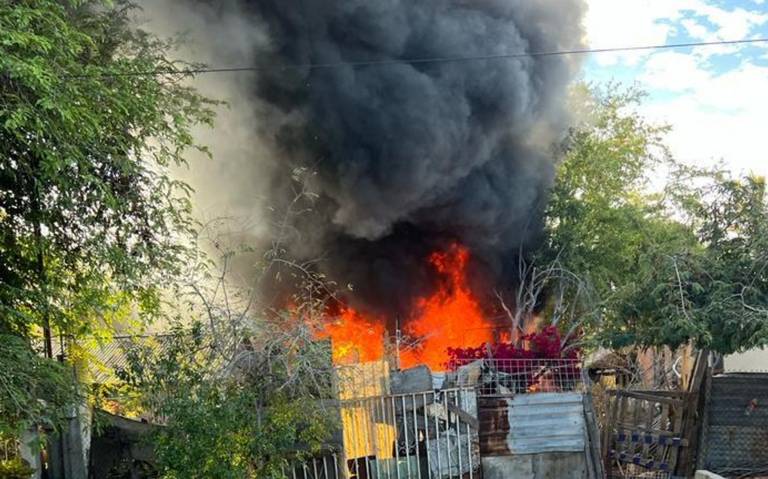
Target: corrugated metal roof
{"x": 532, "y": 424}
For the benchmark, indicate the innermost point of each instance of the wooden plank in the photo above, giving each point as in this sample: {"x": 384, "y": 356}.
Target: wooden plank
{"x": 593, "y": 437}
{"x": 663, "y": 424}
{"x": 671, "y": 394}
{"x": 651, "y": 397}
{"x": 608, "y": 431}
{"x": 650, "y": 414}
{"x": 622, "y": 408}
{"x": 677, "y": 414}
{"x": 636, "y": 413}
{"x": 702, "y": 445}
{"x": 628, "y": 426}
{"x": 623, "y": 436}
{"x": 687, "y": 461}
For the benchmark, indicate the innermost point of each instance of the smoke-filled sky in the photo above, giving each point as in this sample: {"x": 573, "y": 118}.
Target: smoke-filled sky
{"x": 408, "y": 156}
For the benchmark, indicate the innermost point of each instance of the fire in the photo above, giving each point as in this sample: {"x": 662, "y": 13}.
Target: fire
{"x": 354, "y": 337}
{"x": 449, "y": 318}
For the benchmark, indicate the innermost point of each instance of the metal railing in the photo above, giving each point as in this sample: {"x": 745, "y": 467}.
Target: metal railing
{"x": 504, "y": 377}
{"x": 324, "y": 467}
{"x": 430, "y": 434}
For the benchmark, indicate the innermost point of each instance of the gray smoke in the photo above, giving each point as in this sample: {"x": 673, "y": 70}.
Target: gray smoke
{"x": 409, "y": 156}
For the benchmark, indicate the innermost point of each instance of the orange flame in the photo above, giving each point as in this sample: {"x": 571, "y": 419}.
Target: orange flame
{"x": 354, "y": 337}
{"x": 450, "y": 318}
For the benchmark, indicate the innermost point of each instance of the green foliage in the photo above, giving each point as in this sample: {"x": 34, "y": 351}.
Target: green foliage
{"x": 90, "y": 217}
{"x": 686, "y": 264}
{"x": 15, "y": 469}
{"x": 92, "y": 225}
{"x": 34, "y": 391}
{"x": 242, "y": 415}
{"x": 715, "y": 294}
{"x": 599, "y": 221}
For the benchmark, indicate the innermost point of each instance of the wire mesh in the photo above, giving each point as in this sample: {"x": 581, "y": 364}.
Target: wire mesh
{"x": 736, "y": 425}
{"x": 501, "y": 377}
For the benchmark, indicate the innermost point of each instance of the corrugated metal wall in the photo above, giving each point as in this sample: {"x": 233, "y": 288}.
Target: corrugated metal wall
{"x": 533, "y": 436}
{"x": 735, "y": 435}
{"x": 532, "y": 423}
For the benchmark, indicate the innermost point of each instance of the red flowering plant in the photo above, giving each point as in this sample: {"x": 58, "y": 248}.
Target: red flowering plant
{"x": 540, "y": 362}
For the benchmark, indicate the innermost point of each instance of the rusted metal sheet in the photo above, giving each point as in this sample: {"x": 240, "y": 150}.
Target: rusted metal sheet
{"x": 494, "y": 426}
{"x": 532, "y": 423}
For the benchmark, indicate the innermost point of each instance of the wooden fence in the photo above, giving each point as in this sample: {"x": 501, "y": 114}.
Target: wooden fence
{"x": 653, "y": 433}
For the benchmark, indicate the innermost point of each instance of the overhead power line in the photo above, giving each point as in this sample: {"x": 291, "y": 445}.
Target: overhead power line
{"x": 417, "y": 61}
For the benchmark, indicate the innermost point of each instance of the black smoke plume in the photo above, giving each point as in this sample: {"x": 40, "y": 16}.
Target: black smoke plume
{"x": 412, "y": 155}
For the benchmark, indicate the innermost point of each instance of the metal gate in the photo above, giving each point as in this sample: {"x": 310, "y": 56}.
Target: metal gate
{"x": 425, "y": 435}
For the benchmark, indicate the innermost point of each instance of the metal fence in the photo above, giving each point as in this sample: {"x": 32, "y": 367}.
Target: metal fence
{"x": 431, "y": 434}
{"x": 324, "y": 467}
{"x": 735, "y": 425}
{"x": 504, "y": 377}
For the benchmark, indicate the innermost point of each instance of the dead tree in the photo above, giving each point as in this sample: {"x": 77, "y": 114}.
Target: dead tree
{"x": 567, "y": 299}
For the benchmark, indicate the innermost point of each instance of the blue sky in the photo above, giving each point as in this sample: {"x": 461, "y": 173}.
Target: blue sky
{"x": 715, "y": 98}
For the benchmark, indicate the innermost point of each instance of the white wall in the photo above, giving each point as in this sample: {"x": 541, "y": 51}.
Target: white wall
{"x": 752, "y": 360}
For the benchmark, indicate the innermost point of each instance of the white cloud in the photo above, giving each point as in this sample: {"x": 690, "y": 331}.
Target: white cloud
{"x": 732, "y": 24}
{"x": 614, "y": 23}
{"x": 673, "y": 71}
{"x": 611, "y": 23}
{"x": 697, "y": 30}
{"x": 722, "y": 118}
{"x": 715, "y": 114}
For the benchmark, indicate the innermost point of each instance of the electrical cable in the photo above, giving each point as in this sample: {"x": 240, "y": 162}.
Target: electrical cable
{"x": 418, "y": 61}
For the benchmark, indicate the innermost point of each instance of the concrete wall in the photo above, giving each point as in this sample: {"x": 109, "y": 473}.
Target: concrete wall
{"x": 752, "y": 360}
{"x": 549, "y": 465}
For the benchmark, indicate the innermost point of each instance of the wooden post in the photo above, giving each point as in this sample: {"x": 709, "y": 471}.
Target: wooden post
{"x": 594, "y": 459}
{"x": 687, "y": 463}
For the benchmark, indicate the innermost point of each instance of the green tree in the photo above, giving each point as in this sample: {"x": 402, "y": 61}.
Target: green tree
{"x": 683, "y": 264}
{"x": 599, "y": 217}
{"x": 714, "y": 293}
{"x": 253, "y": 413}
{"x": 91, "y": 223}
{"x": 33, "y": 390}
{"x": 246, "y": 390}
